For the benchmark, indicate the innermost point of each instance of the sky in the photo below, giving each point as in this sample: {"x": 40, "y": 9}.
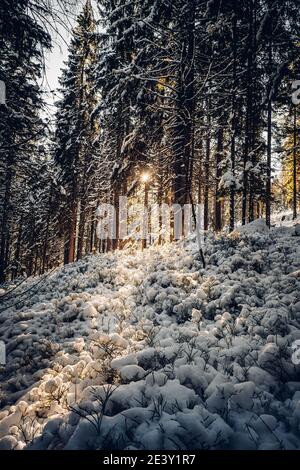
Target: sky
{"x": 55, "y": 62}
{"x": 59, "y": 54}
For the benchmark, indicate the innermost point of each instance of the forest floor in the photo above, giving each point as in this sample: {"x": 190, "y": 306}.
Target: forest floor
{"x": 149, "y": 350}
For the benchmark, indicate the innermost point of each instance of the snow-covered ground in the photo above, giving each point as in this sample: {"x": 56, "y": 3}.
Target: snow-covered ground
{"x": 150, "y": 351}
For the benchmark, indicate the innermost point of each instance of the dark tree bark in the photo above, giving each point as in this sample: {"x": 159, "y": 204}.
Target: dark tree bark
{"x": 218, "y": 201}
{"x": 249, "y": 113}
{"x": 184, "y": 112}
{"x": 4, "y": 246}
{"x": 269, "y": 143}
{"x": 233, "y": 127}
{"x": 295, "y": 166}
{"x": 207, "y": 170}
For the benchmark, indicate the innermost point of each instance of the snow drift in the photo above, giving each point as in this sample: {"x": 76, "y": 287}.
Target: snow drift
{"x": 150, "y": 351}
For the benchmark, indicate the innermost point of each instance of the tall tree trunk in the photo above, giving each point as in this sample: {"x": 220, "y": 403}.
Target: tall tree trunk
{"x": 116, "y": 241}
{"x": 249, "y": 101}
{"x": 200, "y": 173}
{"x": 269, "y": 144}
{"x": 4, "y": 245}
{"x": 72, "y": 232}
{"x": 233, "y": 130}
{"x": 18, "y": 250}
{"x": 207, "y": 175}
{"x": 183, "y": 122}
{"x": 295, "y": 166}
{"x": 218, "y": 202}
{"x": 46, "y": 240}
{"x": 254, "y": 113}
{"x": 81, "y": 228}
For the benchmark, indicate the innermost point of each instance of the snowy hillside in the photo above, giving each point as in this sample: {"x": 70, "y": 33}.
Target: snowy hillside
{"x": 150, "y": 351}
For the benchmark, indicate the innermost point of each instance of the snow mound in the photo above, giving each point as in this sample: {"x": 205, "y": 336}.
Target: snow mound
{"x": 151, "y": 351}
{"x": 258, "y": 226}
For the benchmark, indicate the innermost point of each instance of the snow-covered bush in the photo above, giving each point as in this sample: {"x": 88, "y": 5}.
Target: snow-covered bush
{"x": 150, "y": 351}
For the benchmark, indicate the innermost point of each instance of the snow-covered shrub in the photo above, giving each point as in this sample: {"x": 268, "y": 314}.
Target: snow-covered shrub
{"x": 194, "y": 357}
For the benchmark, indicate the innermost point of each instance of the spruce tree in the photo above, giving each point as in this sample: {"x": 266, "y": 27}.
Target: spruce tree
{"x": 22, "y": 42}
{"x": 76, "y": 133}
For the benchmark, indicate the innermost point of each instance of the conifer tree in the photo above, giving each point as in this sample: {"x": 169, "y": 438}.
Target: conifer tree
{"x": 22, "y": 42}
{"x": 76, "y": 133}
